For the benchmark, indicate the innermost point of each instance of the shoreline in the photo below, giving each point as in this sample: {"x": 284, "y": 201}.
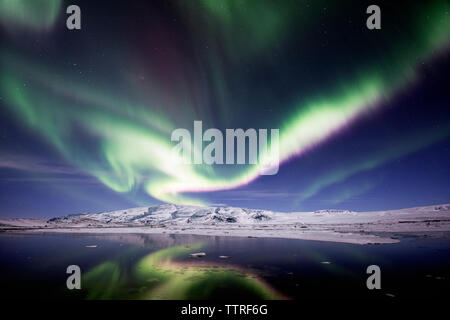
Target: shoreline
{"x": 240, "y": 231}
{"x": 361, "y": 238}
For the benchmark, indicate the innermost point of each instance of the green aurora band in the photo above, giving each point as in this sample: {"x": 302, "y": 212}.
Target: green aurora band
{"x": 396, "y": 149}
{"x": 36, "y": 14}
{"x": 158, "y": 276}
{"x": 132, "y": 143}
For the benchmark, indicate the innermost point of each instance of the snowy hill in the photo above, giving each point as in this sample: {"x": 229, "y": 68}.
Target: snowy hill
{"x": 177, "y": 214}
{"x": 169, "y": 213}
{"x": 322, "y": 225}
{"x": 333, "y": 211}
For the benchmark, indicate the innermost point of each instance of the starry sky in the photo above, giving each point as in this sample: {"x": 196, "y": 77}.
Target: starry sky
{"x": 86, "y": 115}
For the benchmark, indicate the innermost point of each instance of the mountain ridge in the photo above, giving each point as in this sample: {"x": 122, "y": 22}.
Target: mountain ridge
{"x": 171, "y": 213}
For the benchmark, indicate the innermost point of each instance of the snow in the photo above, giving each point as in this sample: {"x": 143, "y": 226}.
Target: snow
{"x": 323, "y": 225}
{"x": 169, "y": 213}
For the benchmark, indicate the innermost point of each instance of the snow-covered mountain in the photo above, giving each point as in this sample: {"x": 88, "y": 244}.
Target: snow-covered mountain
{"x": 333, "y": 211}
{"x": 170, "y": 213}
{"x": 323, "y": 225}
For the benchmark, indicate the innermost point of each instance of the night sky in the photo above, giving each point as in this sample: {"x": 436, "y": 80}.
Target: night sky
{"x": 86, "y": 115}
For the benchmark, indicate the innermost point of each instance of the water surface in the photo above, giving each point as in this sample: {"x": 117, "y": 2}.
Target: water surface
{"x": 138, "y": 266}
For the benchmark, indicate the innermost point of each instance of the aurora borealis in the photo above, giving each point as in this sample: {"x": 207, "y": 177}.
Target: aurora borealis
{"x": 86, "y": 115}
{"x": 158, "y": 277}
